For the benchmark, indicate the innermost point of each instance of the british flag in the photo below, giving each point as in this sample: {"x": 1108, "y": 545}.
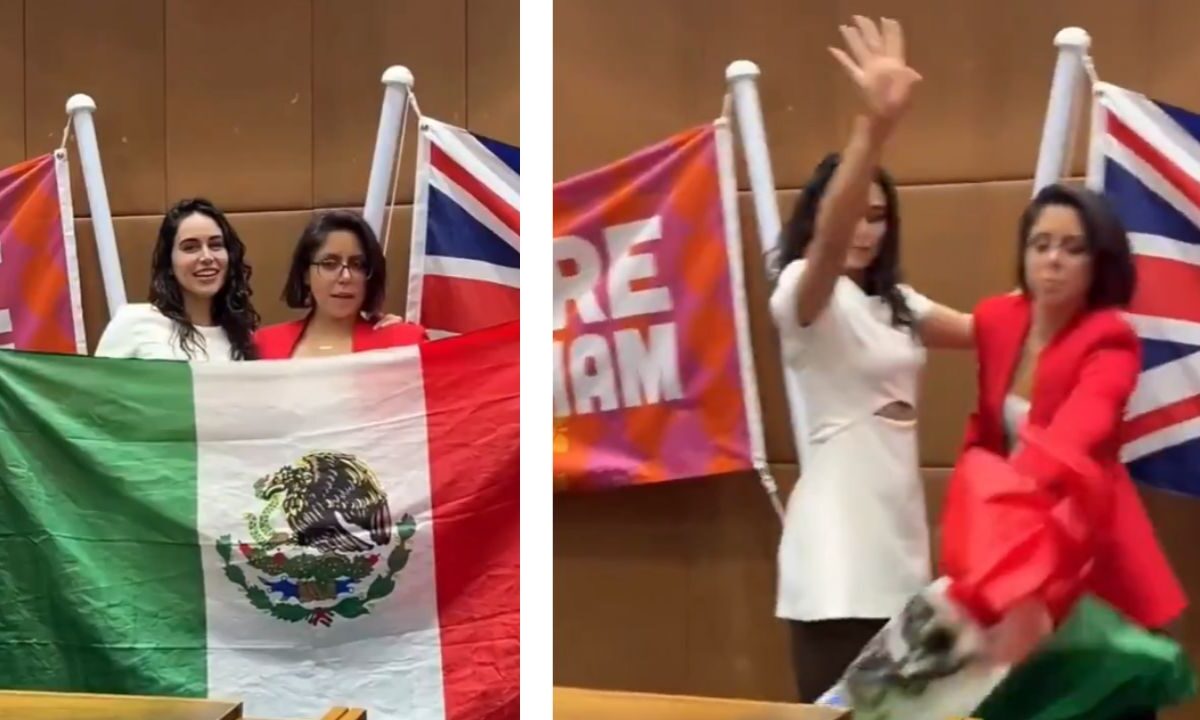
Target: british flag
{"x": 464, "y": 269}
{"x": 1145, "y": 155}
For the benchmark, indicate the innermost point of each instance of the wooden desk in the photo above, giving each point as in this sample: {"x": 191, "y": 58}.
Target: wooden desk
{"x": 577, "y": 704}
{"x": 71, "y": 706}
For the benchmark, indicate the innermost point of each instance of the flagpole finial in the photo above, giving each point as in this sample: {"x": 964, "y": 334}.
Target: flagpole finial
{"x": 739, "y": 69}
{"x": 398, "y": 75}
{"x": 1073, "y": 37}
{"x": 78, "y": 102}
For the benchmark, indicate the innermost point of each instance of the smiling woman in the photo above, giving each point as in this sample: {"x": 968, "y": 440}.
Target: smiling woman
{"x": 199, "y": 305}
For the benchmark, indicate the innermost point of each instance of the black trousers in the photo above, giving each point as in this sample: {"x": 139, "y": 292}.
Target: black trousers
{"x": 822, "y": 649}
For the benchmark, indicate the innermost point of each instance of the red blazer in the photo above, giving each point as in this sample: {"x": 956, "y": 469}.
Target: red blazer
{"x": 278, "y": 342}
{"x": 1066, "y": 486}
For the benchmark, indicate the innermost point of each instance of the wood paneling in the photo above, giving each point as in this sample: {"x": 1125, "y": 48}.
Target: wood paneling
{"x": 12, "y": 82}
{"x": 628, "y": 73}
{"x": 112, "y": 51}
{"x": 350, "y": 52}
{"x": 239, "y": 103}
{"x": 493, "y": 55}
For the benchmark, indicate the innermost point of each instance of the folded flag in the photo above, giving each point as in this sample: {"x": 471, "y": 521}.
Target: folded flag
{"x": 293, "y": 535}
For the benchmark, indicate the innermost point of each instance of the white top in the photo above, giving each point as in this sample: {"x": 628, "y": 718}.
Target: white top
{"x": 140, "y": 331}
{"x": 856, "y": 539}
{"x": 1016, "y": 409}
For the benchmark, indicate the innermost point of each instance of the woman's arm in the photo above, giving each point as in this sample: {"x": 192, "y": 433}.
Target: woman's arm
{"x": 1088, "y": 418}
{"x": 878, "y": 68}
{"x": 945, "y": 328}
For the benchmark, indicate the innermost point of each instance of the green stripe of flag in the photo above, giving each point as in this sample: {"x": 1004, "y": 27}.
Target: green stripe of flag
{"x": 99, "y": 559}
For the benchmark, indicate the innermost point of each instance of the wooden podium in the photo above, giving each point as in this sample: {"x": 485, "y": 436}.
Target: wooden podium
{"x": 577, "y": 704}
{"x": 72, "y": 706}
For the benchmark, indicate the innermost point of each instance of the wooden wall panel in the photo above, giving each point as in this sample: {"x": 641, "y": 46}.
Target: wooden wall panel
{"x": 270, "y": 239}
{"x": 672, "y": 588}
{"x": 1174, "y": 520}
{"x": 987, "y": 67}
{"x": 112, "y": 51}
{"x": 1172, "y": 52}
{"x": 493, "y": 54}
{"x": 616, "y": 554}
{"x": 350, "y": 52}
{"x": 12, "y": 82}
{"x": 629, "y": 73}
{"x": 397, "y": 259}
{"x": 239, "y": 102}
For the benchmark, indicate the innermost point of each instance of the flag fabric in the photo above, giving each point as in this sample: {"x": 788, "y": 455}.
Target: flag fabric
{"x": 40, "y": 306}
{"x": 1096, "y": 666}
{"x": 929, "y": 662}
{"x": 295, "y": 535}
{"x": 653, "y": 371}
{"x": 464, "y": 271}
{"x": 1145, "y": 156}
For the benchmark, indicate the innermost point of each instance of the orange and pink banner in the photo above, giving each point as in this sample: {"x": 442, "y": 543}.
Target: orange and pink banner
{"x": 653, "y": 373}
{"x": 40, "y": 306}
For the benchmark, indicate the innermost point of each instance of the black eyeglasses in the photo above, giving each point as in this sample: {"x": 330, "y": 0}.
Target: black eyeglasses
{"x": 332, "y": 267}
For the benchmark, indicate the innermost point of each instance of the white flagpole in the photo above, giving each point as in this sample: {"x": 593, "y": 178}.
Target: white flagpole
{"x": 398, "y": 84}
{"x": 1096, "y": 139}
{"x": 1072, "y": 44}
{"x": 80, "y": 109}
{"x": 742, "y": 78}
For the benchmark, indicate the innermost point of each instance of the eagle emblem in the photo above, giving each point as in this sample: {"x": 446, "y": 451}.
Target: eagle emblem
{"x": 317, "y": 545}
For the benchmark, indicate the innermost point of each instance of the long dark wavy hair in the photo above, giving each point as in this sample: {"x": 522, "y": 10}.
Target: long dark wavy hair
{"x": 231, "y": 306}
{"x": 882, "y": 276}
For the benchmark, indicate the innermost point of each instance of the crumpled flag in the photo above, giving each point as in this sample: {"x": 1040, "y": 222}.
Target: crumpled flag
{"x": 928, "y": 663}
{"x": 1008, "y": 536}
{"x": 1096, "y": 666}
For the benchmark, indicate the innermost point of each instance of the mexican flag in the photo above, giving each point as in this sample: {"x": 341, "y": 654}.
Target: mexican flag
{"x": 295, "y": 535}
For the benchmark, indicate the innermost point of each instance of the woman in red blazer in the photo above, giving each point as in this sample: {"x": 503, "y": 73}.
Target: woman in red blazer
{"x": 1040, "y": 508}
{"x": 339, "y": 273}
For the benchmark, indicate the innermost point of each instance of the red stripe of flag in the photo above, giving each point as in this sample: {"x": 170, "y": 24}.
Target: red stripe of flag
{"x": 459, "y": 305}
{"x": 507, "y": 214}
{"x": 1155, "y": 420}
{"x": 472, "y": 408}
{"x": 1166, "y": 288}
{"x": 1187, "y": 185}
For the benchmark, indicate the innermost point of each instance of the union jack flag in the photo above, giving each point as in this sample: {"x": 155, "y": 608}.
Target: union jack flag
{"x": 1145, "y": 156}
{"x": 464, "y": 269}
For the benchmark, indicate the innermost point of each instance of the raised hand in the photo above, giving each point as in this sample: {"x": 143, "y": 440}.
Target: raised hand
{"x": 875, "y": 63}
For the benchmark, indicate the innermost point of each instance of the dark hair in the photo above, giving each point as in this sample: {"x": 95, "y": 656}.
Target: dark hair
{"x": 882, "y": 276}
{"x": 1113, "y": 274}
{"x": 297, "y": 294}
{"x": 231, "y": 306}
